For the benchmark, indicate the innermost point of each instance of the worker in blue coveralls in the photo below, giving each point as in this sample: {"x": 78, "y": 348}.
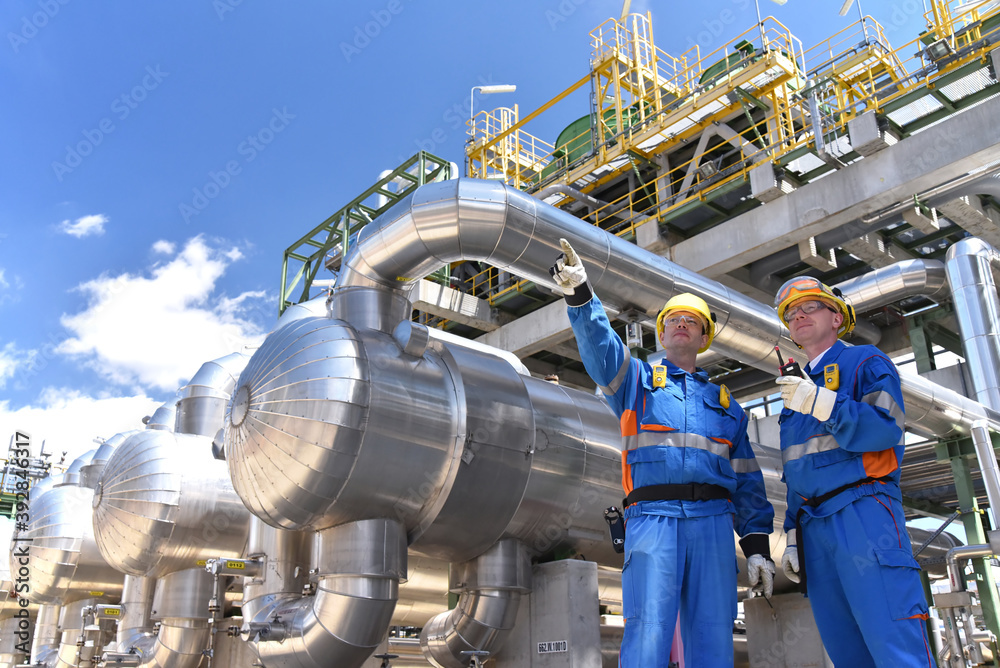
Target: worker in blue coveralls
{"x": 690, "y": 477}
{"x": 841, "y": 448}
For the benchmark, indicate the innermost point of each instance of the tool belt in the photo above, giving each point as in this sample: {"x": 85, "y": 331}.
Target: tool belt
{"x": 815, "y": 502}
{"x": 694, "y": 491}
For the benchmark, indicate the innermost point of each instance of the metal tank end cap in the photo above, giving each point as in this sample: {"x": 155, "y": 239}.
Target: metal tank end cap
{"x": 241, "y": 404}
{"x": 98, "y": 493}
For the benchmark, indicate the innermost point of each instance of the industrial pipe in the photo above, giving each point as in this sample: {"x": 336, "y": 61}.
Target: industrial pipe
{"x": 359, "y": 569}
{"x": 490, "y": 589}
{"x": 488, "y": 221}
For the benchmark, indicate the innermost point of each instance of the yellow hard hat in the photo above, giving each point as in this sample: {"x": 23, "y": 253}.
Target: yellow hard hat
{"x": 694, "y": 304}
{"x": 807, "y": 287}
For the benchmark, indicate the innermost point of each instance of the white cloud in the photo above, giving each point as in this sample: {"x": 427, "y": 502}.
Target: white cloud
{"x": 10, "y": 359}
{"x": 68, "y": 420}
{"x": 3, "y": 281}
{"x": 155, "y": 331}
{"x": 85, "y": 226}
{"x": 164, "y": 247}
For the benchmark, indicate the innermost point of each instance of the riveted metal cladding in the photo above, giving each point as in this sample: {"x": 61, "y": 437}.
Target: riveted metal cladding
{"x": 575, "y": 475}
{"x": 329, "y": 425}
{"x": 65, "y": 562}
{"x": 202, "y": 404}
{"x": 141, "y": 524}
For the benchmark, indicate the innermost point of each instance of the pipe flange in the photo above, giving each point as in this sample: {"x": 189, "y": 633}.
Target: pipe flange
{"x": 241, "y": 405}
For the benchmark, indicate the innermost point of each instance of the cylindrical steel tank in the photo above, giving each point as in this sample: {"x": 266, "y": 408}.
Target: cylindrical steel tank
{"x": 331, "y": 424}
{"x": 163, "y": 502}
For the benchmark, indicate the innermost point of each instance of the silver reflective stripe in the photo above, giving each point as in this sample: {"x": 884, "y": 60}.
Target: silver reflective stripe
{"x": 630, "y": 442}
{"x": 884, "y": 400}
{"x": 616, "y": 382}
{"x": 680, "y": 440}
{"x": 741, "y": 465}
{"x": 810, "y": 447}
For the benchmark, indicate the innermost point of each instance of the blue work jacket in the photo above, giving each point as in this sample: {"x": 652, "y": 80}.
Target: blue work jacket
{"x": 863, "y": 437}
{"x": 676, "y": 434}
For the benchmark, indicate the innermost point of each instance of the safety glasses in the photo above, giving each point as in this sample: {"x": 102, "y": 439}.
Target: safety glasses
{"x": 806, "y": 308}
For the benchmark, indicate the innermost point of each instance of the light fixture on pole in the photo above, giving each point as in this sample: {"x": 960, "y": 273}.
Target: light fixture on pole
{"x": 846, "y": 7}
{"x": 486, "y": 90}
{"x": 760, "y": 22}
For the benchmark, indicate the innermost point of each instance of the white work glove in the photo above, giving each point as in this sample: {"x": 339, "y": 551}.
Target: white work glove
{"x": 790, "y": 559}
{"x": 760, "y": 572}
{"x": 804, "y": 396}
{"x": 568, "y": 271}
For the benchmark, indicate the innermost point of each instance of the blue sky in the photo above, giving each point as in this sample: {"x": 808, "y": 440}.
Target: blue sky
{"x": 159, "y": 157}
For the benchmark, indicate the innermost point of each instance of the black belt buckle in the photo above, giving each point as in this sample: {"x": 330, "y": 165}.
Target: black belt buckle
{"x": 616, "y": 524}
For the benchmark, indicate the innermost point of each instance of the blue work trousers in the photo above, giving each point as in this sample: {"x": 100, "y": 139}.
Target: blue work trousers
{"x": 864, "y": 586}
{"x": 685, "y": 565}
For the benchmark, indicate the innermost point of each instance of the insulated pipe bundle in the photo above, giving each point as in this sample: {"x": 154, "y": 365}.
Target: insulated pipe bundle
{"x": 488, "y": 221}
{"x": 45, "y": 645}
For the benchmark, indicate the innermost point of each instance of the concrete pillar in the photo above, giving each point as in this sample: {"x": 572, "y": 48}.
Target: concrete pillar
{"x": 558, "y": 626}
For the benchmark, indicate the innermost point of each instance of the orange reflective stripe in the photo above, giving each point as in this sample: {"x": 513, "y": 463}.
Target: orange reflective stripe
{"x": 626, "y": 474}
{"x": 922, "y": 615}
{"x": 657, "y": 427}
{"x": 627, "y": 424}
{"x": 880, "y": 464}
{"x": 722, "y": 440}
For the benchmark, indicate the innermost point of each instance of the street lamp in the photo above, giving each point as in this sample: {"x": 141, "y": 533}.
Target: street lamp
{"x": 486, "y": 90}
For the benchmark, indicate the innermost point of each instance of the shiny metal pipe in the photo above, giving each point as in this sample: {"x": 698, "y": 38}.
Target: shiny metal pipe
{"x": 90, "y": 473}
{"x": 137, "y": 604}
{"x": 987, "y": 464}
{"x": 466, "y": 219}
{"x": 163, "y": 502}
{"x": 71, "y": 624}
{"x": 885, "y": 285}
{"x": 955, "y": 578}
{"x": 490, "y": 589}
{"x": 45, "y": 645}
{"x": 202, "y": 405}
{"x": 163, "y": 418}
{"x": 977, "y": 308}
{"x": 285, "y": 555}
{"x": 360, "y": 566}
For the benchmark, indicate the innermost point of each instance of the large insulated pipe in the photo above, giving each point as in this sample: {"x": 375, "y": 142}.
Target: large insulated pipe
{"x": 136, "y": 620}
{"x": 45, "y": 645}
{"x": 491, "y": 222}
{"x": 202, "y": 404}
{"x": 886, "y": 285}
{"x": 284, "y": 556}
{"x": 72, "y": 653}
{"x": 360, "y": 565}
{"x": 977, "y": 307}
{"x": 163, "y": 503}
{"x": 180, "y": 605}
{"x": 490, "y": 588}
